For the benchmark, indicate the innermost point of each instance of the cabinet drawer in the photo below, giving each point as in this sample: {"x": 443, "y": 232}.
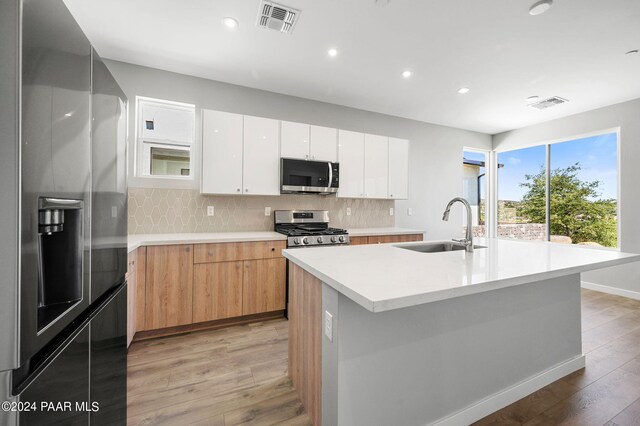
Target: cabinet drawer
{"x": 357, "y": 241}
{"x": 383, "y": 239}
{"x": 227, "y": 252}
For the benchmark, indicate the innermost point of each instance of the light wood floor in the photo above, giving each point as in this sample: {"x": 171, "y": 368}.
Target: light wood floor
{"x": 238, "y": 375}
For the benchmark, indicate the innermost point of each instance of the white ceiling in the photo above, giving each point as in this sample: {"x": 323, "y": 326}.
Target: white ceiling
{"x": 575, "y": 51}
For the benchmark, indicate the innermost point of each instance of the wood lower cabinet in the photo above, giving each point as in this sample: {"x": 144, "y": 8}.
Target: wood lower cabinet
{"x": 384, "y": 239}
{"x": 140, "y": 294}
{"x": 169, "y": 286}
{"x": 358, "y": 241}
{"x": 263, "y": 285}
{"x": 217, "y": 291}
{"x": 131, "y": 296}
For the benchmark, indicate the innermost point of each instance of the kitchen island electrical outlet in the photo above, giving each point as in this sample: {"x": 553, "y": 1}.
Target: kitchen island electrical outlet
{"x": 210, "y": 211}
{"x": 390, "y": 211}
{"x": 267, "y": 211}
{"x": 409, "y": 211}
{"x": 348, "y": 211}
{"x": 328, "y": 325}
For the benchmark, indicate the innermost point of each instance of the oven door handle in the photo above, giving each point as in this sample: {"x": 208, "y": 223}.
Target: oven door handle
{"x": 330, "y": 176}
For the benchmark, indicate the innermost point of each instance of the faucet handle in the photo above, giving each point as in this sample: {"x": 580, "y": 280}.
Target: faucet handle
{"x": 461, "y": 241}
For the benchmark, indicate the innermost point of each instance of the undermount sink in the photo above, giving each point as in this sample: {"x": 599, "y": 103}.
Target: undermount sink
{"x": 437, "y": 247}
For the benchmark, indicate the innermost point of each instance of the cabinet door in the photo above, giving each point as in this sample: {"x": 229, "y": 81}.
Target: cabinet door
{"x": 169, "y": 286}
{"x": 384, "y": 239}
{"x": 376, "y": 166}
{"x": 261, "y": 169}
{"x": 398, "y": 169}
{"x": 351, "y": 158}
{"x": 221, "y": 152}
{"x": 141, "y": 273}
{"x": 294, "y": 140}
{"x": 131, "y": 307}
{"x": 324, "y": 144}
{"x": 217, "y": 291}
{"x": 263, "y": 285}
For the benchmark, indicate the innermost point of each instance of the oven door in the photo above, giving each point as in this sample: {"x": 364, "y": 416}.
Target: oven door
{"x": 310, "y": 177}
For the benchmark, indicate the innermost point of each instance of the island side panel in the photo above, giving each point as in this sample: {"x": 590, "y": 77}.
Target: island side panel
{"x": 464, "y": 357}
{"x": 305, "y": 344}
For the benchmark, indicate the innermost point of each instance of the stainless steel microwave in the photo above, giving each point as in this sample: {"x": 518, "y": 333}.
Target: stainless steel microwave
{"x": 308, "y": 177}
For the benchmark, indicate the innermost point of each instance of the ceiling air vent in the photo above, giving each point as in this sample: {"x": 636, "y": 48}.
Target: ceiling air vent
{"x": 548, "y": 103}
{"x": 277, "y": 17}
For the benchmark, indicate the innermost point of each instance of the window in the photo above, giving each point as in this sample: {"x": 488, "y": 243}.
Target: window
{"x": 564, "y": 192}
{"x": 516, "y": 170}
{"x": 165, "y": 138}
{"x": 474, "y": 189}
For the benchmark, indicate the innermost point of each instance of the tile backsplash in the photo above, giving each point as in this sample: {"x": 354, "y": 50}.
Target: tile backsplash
{"x": 159, "y": 211}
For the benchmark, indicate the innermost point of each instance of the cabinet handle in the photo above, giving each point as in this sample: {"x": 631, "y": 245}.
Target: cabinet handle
{"x": 391, "y": 195}
{"x": 273, "y": 249}
{"x": 238, "y": 190}
{"x": 246, "y": 190}
{"x": 306, "y": 157}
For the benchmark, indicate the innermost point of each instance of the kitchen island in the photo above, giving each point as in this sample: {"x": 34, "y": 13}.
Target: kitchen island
{"x": 384, "y": 335}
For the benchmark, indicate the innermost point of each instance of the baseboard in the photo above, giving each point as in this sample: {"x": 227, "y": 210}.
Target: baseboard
{"x": 512, "y": 394}
{"x": 611, "y": 290}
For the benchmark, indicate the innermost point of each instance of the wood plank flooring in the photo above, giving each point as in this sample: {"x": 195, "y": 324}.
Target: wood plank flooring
{"x": 238, "y": 376}
{"x": 231, "y": 376}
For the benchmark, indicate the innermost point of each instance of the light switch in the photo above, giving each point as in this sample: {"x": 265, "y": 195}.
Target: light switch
{"x": 267, "y": 211}
{"x": 390, "y": 211}
{"x": 328, "y": 325}
{"x": 348, "y": 211}
{"x": 210, "y": 211}
{"x": 409, "y": 211}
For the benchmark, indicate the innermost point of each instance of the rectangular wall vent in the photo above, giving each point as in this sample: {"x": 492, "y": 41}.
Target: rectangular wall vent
{"x": 277, "y": 17}
{"x": 548, "y": 103}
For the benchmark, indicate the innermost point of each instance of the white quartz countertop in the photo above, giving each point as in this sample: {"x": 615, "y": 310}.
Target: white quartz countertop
{"x": 359, "y": 232}
{"x": 383, "y": 277}
{"x": 138, "y": 240}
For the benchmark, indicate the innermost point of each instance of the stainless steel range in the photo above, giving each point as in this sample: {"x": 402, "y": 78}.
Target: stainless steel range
{"x": 308, "y": 228}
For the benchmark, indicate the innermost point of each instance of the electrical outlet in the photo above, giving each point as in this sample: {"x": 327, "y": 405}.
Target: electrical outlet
{"x": 348, "y": 211}
{"x": 328, "y": 325}
{"x": 267, "y": 211}
{"x": 114, "y": 212}
{"x": 390, "y": 211}
{"x": 409, "y": 211}
{"x": 210, "y": 211}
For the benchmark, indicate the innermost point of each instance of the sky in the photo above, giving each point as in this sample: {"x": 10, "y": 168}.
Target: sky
{"x": 597, "y": 155}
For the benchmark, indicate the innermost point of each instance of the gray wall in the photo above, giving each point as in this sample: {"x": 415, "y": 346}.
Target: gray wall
{"x": 436, "y": 151}
{"x": 626, "y": 116}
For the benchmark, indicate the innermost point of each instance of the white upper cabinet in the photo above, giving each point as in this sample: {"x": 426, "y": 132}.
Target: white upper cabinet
{"x": 261, "y": 166}
{"x": 307, "y": 142}
{"x": 351, "y": 159}
{"x": 324, "y": 144}
{"x": 221, "y": 152}
{"x": 294, "y": 142}
{"x": 398, "y": 169}
{"x": 376, "y": 166}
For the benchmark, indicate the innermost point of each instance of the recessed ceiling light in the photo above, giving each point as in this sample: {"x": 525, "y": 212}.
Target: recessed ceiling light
{"x": 463, "y": 90}
{"x": 407, "y": 73}
{"x": 332, "y": 52}
{"x": 230, "y": 23}
{"x": 532, "y": 98}
{"x": 540, "y": 7}
{"x": 632, "y": 52}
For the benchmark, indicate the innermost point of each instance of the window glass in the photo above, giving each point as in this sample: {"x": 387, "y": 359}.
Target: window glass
{"x": 474, "y": 190}
{"x": 521, "y": 194}
{"x": 584, "y": 191}
{"x": 170, "y": 161}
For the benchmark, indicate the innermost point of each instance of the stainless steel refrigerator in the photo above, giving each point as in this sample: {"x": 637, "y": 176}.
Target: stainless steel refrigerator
{"x": 63, "y": 223}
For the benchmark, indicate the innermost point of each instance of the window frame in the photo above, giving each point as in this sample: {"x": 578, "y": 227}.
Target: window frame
{"x": 547, "y": 144}
{"x": 142, "y": 143}
{"x": 489, "y": 173}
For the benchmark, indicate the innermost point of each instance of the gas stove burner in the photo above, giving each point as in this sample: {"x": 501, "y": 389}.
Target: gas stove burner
{"x": 308, "y": 228}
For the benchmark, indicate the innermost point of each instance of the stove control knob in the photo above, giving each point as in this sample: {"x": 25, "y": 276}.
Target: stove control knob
{"x": 305, "y": 240}
{"x": 319, "y": 240}
{"x": 341, "y": 238}
{"x": 334, "y": 239}
{"x": 296, "y": 241}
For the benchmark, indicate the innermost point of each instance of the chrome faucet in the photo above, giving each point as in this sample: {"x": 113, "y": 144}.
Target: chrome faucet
{"x": 468, "y": 240}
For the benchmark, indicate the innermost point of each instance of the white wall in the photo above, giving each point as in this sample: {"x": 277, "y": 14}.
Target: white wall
{"x": 435, "y": 153}
{"x": 626, "y": 116}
